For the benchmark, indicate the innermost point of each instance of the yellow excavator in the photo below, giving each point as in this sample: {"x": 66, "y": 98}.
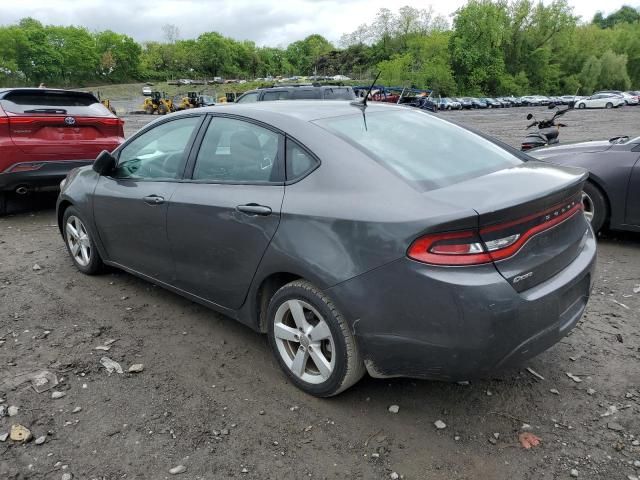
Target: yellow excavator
{"x": 192, "y": 100}
{"x": 158, "y": 103}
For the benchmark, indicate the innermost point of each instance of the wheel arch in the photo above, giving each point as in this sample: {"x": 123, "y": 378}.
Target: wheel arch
{"x": 259, "y": 300}
{"x": 64, "y": 204}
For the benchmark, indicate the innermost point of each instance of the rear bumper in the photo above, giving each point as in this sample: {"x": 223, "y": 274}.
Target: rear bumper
{"x": 415, "y": 320}
{"x": 48, "y": 175}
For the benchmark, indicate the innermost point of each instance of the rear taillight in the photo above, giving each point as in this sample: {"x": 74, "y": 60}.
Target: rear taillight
{"x": 452, "y": 248}
{"x": 489, "y": 244}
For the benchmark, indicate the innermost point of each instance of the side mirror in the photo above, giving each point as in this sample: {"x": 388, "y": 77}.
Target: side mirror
{"x": 529, "y": 116}
{"x": 551, "y": 106}
{"x": 104, "y": 163}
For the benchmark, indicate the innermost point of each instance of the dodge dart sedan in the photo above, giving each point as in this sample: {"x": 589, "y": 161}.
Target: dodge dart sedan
{"x": 381, "y": 240}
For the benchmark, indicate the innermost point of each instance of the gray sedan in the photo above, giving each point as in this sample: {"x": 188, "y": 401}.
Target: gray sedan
{"x": 390, "y": 242}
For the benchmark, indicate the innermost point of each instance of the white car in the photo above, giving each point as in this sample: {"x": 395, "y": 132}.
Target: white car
{"x": 146, "y": 91}
{"x": 630, "y": 99}
{"x": 601, "y": 100}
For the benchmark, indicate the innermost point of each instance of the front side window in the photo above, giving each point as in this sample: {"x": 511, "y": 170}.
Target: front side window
{"x": 158, "y": 153}
{"x": 428, "y": 152}
{"x": 235, "y": 151}
{"x": 276, "y": 95}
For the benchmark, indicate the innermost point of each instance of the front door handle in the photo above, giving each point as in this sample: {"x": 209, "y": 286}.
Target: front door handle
{"x": 254, "y": 209}
{"x": 154, "y": 200}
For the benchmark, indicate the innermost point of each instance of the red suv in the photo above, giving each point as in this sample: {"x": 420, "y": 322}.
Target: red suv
{"x": 44, "y": 133}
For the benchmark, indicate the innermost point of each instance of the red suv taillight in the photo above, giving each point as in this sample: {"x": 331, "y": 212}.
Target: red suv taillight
{"x": 489, "y": 244}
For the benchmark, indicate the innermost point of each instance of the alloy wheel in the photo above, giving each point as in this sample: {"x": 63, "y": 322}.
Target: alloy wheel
{"x": 589, "y": 210}
{"x": 78, "y": 241}
{"x": 304, "y": 341}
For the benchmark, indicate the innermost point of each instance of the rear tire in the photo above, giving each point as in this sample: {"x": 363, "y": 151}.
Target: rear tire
{"x": 81, "y": 247}
{"x": 595, "y": 206}
{"x": 3, "y": 204}
{"x": 306, "y": 330}
{"x": 609, "y": 105}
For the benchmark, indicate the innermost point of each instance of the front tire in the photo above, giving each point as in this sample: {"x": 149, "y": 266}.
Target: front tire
{"x": 312, "y": 341}
{"x": 595, "y": 206}
{"x": 81, "y": 247}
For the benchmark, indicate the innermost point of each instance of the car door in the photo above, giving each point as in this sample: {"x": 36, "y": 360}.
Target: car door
{"x": 130, "y": 205}
{"x": 221, "y": 221}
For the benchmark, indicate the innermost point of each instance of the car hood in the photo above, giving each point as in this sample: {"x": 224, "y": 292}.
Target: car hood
{"x": 548, "y": 153}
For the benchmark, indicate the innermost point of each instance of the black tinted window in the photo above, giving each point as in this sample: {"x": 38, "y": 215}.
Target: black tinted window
{"x": 238, "y": 152}
{"x": 299, "y": 162}
{"x": 306, "y": 94}
{"x": 249, "y": 98}
{"x": 424, "y": 150}
{"x": 275, "y": 95}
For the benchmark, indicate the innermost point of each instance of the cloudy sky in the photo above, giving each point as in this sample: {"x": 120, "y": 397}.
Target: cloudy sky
{"x": 267, "y": 22}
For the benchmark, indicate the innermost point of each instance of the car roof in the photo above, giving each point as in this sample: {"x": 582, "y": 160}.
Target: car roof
{"x": 284, "y": 114}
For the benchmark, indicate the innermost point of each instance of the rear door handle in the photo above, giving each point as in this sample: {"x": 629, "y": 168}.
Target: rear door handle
{"x": 154, "y": 200}
{"x": 254, "y": 209}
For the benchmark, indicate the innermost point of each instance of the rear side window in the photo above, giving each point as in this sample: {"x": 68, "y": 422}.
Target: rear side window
{"x": 234, "y": 151}
{"x": 299, "y": 161}
{"x": 277, "y": 95}
{"x": 48, "y": 101}
{"x": 428, "y": 152}
{"x": 306, "y": 94}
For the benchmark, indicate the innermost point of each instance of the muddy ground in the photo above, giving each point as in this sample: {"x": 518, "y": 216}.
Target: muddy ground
{"x": 211, "y": 396}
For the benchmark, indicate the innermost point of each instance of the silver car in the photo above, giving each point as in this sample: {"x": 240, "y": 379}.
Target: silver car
{"x": 381, "y": 240}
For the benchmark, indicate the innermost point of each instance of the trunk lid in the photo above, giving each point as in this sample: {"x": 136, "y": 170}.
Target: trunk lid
{"x": 60, "y": 123}
{"x": 531, "y": 214}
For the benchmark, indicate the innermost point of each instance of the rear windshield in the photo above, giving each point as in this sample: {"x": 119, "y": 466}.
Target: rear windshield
{"x": 338, "y": 93}
{"x": 47, "y": 101}
{"x": 428, "y": 152}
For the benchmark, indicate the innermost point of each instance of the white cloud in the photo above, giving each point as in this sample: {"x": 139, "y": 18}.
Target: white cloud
{"x": 267, "y": 22}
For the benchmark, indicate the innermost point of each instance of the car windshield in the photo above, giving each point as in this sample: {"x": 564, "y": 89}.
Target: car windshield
{"x": 427, "y": 152}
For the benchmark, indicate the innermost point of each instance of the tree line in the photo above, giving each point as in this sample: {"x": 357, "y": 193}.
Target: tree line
{"x": 491, "y": 47}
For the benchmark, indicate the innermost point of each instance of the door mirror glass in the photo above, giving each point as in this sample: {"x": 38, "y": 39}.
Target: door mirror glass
{"x": 104, "y": 163}
{"x": 529, "y": 116}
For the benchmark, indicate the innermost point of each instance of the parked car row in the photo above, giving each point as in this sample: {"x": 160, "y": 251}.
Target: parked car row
{"x": 603, "y": 99}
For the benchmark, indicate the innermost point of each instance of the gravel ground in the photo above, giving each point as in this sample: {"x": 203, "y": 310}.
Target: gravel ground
{"x": 212, "y": 398}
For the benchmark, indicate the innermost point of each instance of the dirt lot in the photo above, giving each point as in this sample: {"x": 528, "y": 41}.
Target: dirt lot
{"x": 212, "y": 398}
